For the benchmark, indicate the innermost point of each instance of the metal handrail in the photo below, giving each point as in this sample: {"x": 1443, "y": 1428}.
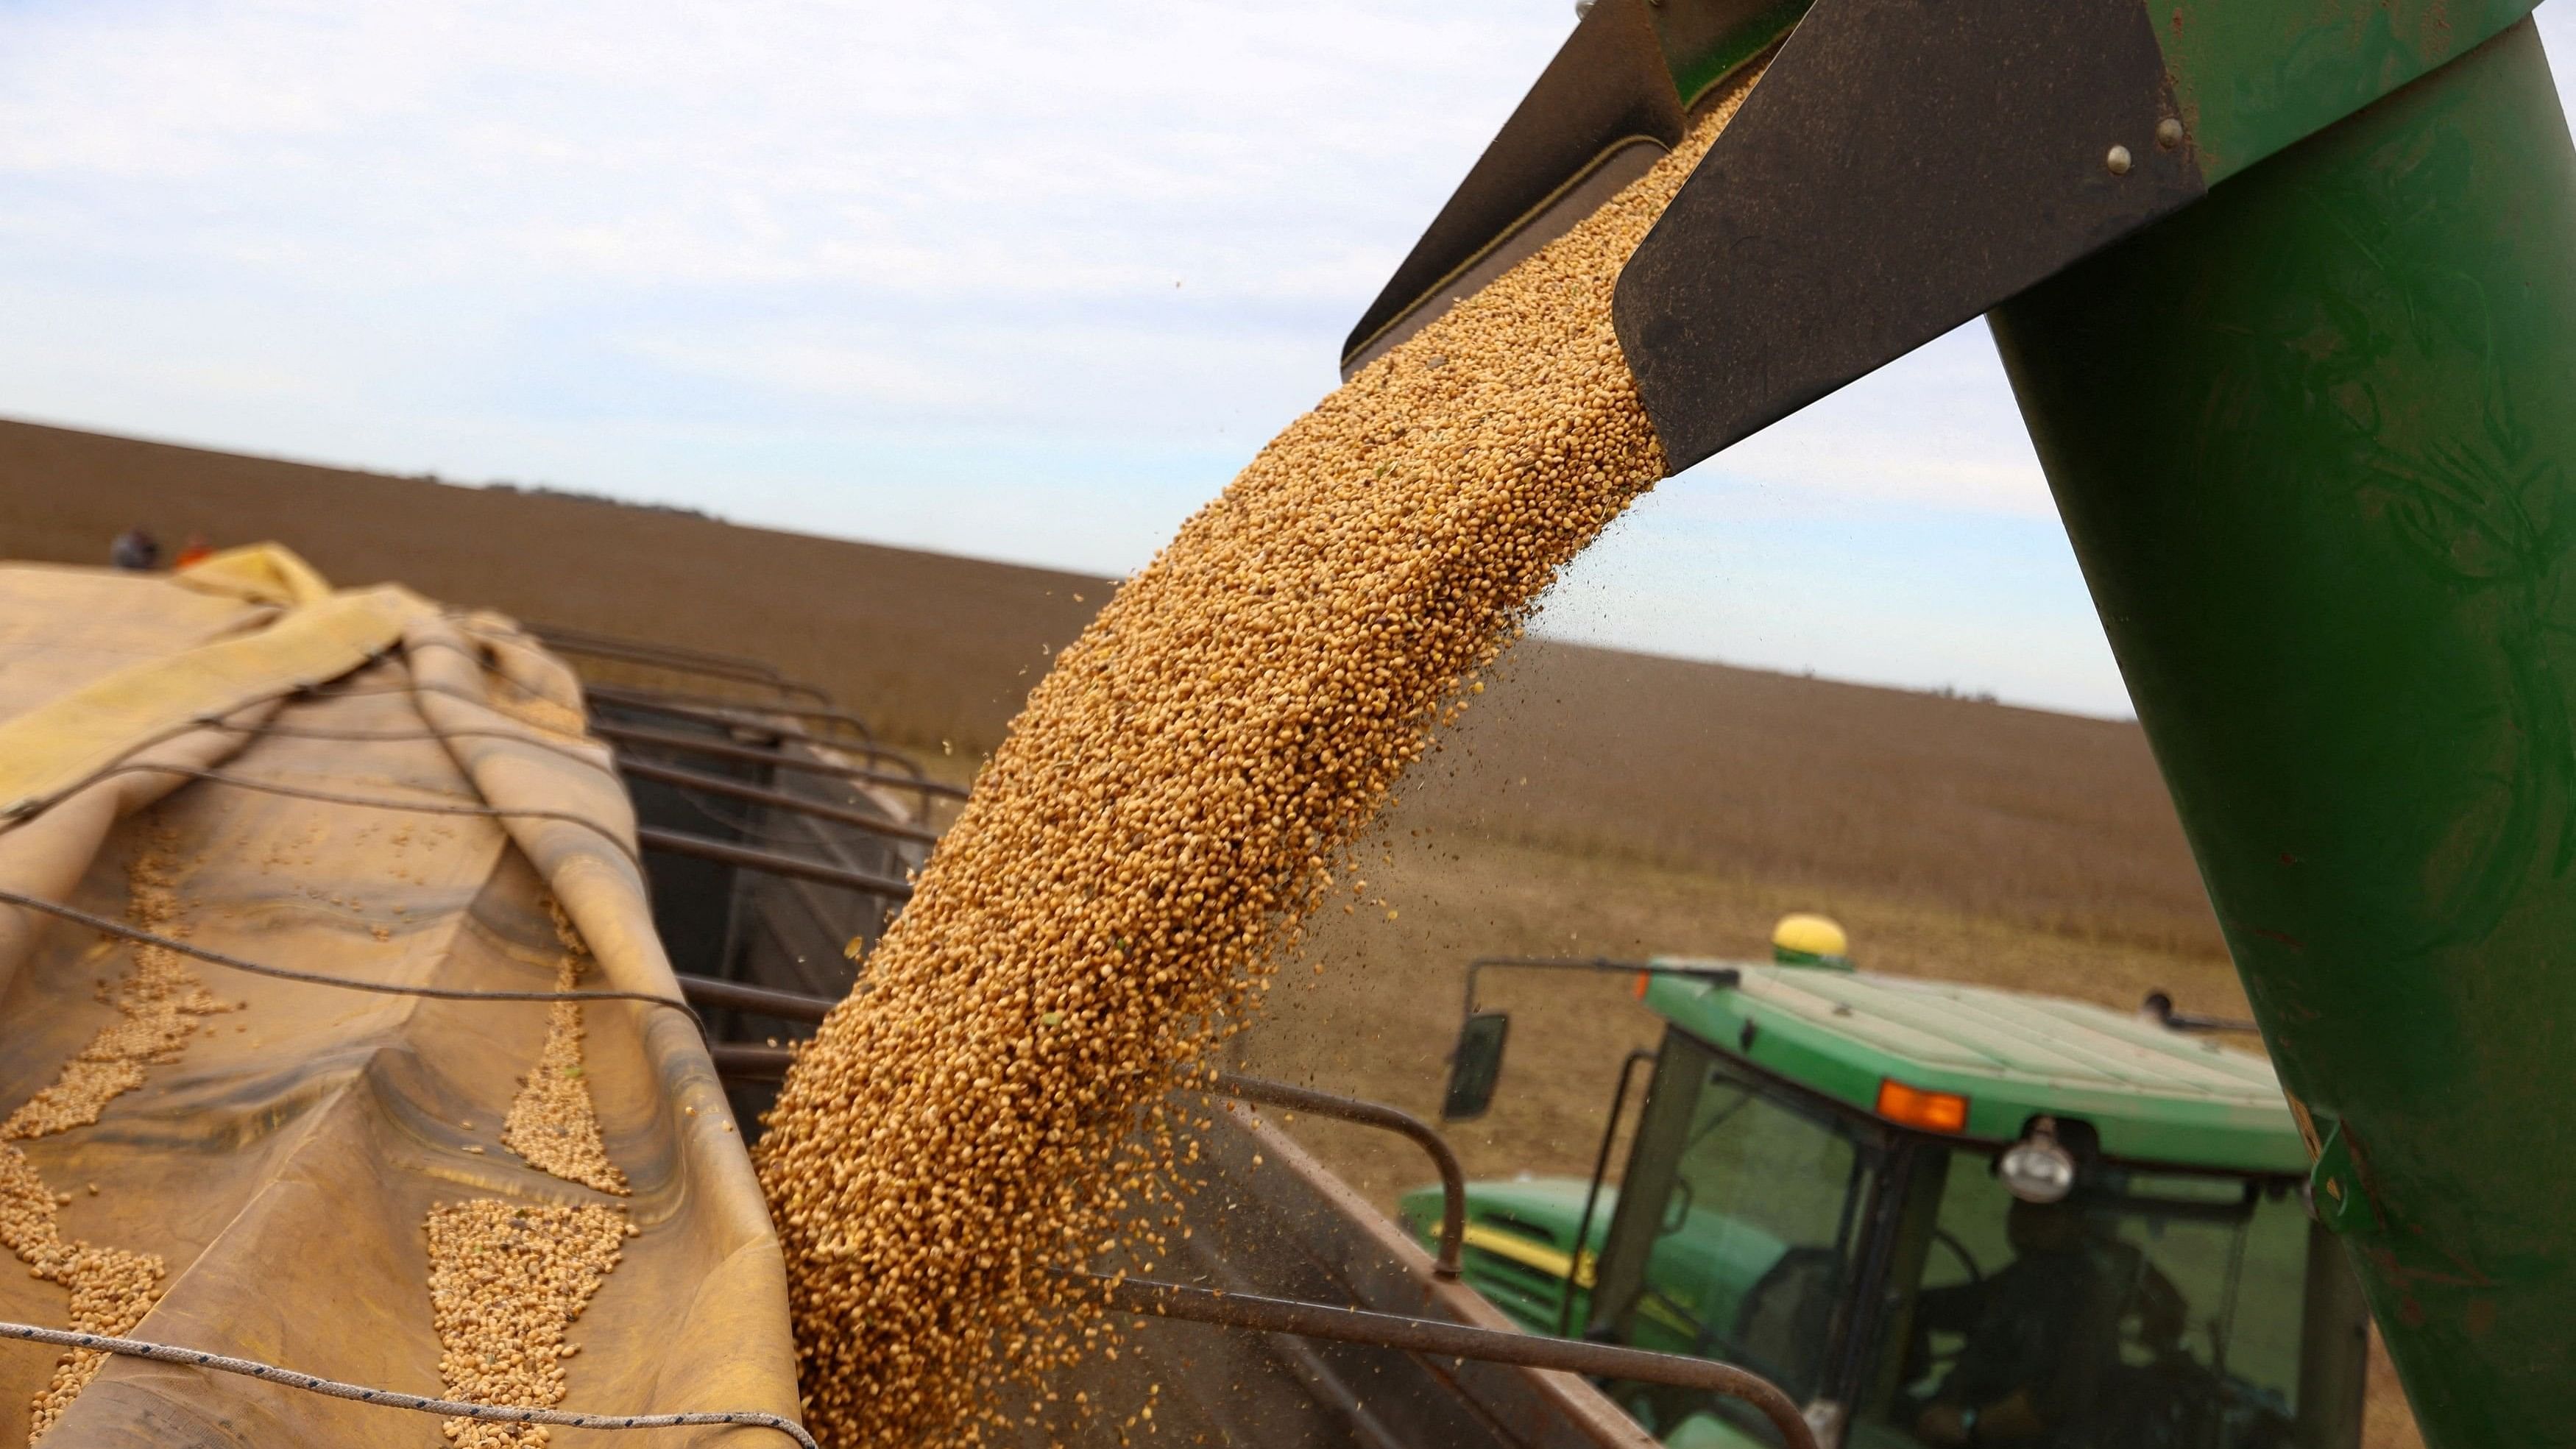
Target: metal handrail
{"x": 1453, "y": 1178}
{"x": 1454, "y": 1340}
{"x": 2159, "y": 1008}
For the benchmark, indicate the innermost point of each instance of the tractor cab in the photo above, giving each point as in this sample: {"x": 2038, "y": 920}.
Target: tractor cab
{"x": 1936, "y": 1215}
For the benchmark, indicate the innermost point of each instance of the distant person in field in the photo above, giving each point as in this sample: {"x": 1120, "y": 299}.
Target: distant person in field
{"x": 134, "y": 549}
{"x": 197, "y": 548}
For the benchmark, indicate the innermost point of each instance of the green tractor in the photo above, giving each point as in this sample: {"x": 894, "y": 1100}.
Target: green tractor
{"x": 1935, "y": 1214}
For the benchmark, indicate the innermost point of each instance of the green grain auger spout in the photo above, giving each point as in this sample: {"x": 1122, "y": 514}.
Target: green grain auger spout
{"x": 2287, "y": 293}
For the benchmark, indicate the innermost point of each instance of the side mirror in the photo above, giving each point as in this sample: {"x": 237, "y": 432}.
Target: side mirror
{"x": 1475, "y": 1065}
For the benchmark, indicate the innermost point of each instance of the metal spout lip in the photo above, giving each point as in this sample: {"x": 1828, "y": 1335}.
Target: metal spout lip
{"x": 1902, "y": 166}
{"x": 1603, "y": 110}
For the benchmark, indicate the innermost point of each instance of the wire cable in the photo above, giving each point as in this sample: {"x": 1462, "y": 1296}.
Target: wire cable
{"x": 389, "y": 1398}
{"x": 369, "y": 802}
{"x": 742, "y": 824}
{"x": 22, "y": 811}
{"x": 293, "y": 732}
{"x": 109, "y": 926}
{"x": 414, "y": 684}
{"x": 25, "y": 810}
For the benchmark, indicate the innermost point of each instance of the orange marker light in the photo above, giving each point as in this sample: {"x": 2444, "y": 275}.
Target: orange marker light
{"x": 1642, "y": 978}
{"x": 1914, "y": 1107}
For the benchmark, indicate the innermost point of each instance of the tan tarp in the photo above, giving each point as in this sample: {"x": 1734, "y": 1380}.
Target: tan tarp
{"x": 283, "y": 1159}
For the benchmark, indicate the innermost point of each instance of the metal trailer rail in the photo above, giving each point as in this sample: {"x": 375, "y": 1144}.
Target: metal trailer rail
{"x": 760, "y": 716}
{"x": 1301, "y": 1320}
{"x": 710, "y": 991}
{"x": 682, "y": 654}
{"x": 770, "y": 1063}
{"x": 677, "y": 842}
{"x": 832, "y": 714}
{"x": 1453, "y": 1178}
{"x": 732, "y": 788}
{"x": 717, "y": 749}
{"x": 734, "y": 668}
{"x": 1319, "y": 1320}
{"x": 1453, "y": 1340}
{"x": 763, "y": 713}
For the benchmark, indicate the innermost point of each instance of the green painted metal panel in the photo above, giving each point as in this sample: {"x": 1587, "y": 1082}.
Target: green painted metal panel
{"x": 2252, "y": 76}
{"x": 2315, "y": 442}
{"x": 1698, "y": 69}
{"x": 2154, "y": 1094}
{"x": 1530, "y": 1287}
{"x": 1705, "y": 1265}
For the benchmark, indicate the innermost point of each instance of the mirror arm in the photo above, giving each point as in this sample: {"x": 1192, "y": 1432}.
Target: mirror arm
{"x": 1604, "y": 965}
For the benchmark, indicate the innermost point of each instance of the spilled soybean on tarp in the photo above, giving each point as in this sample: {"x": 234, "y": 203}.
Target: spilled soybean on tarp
{"x": 517, "y": 1202}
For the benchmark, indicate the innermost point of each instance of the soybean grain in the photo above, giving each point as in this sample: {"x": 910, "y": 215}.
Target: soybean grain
{"x": 159, "y": 1003}
{"x": 505, "y": 1281}
{"x": 554, "y": 1122}
{"x": 1170, "y": 803}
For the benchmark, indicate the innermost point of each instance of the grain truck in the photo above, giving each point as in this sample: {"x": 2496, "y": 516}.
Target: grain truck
{"x": 391, "y": 1006}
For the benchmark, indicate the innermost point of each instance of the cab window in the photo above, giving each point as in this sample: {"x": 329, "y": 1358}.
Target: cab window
{"x": 1751, "y": 1249}
{"x": 2147, "y": 1312}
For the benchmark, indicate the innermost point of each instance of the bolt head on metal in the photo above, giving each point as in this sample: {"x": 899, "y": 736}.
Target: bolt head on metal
{"x": 2169, "y": 133}
{"x": 2118, "y": 161}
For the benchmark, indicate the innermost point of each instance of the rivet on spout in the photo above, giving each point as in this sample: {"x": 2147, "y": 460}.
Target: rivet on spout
{"x": 2169, "y": 133}
{"x": 2118, "y": 160}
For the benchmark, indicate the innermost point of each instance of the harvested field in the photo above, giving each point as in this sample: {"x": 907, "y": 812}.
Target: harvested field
{"x": 2043, "y": 819}
{"x": 957, "y": 641}
{"x": 2048, "y": 821}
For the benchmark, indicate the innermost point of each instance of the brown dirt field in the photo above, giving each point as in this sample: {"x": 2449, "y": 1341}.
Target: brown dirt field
{"x": 1595, "y": 802}
{"x": 943, "y": 640}
{"x": 2048, "y": 820}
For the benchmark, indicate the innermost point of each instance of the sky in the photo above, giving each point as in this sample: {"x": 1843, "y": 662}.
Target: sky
{"x": 1020, "y": 281}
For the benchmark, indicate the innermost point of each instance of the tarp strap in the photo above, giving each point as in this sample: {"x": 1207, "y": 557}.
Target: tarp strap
{"x": 109, "y": 926}
{"x": 391, "y": 1399}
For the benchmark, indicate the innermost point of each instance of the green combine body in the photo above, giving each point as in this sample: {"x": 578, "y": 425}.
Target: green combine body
{"x": 1814, "y": 1193}
{"x": 2282, "y": 292}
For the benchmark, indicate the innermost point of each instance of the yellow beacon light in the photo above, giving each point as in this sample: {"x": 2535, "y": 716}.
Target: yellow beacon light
{"x": 1803, "y": 939}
